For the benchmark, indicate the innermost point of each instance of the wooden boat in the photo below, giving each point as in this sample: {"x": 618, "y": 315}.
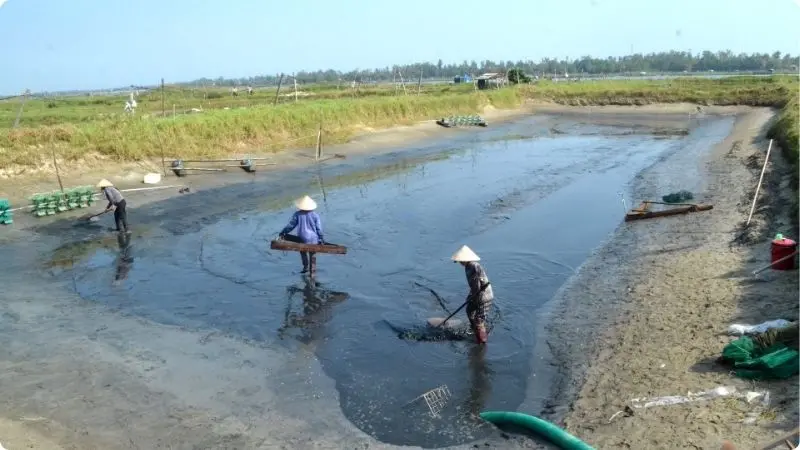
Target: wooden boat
{"x": 284, "y": 245}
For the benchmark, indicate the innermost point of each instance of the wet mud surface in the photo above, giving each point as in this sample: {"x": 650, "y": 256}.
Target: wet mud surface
{"x": 532, "y": 203}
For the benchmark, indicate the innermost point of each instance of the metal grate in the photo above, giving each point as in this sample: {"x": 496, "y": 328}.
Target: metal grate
{"x": 436, "y": 399}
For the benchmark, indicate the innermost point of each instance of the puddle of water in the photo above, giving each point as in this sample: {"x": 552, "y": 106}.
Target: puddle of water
{"x": 533, "y": 209}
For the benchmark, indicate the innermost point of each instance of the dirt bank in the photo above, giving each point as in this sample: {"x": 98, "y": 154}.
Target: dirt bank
{"x": 648, "y": 316}
{"x": 19, "y": 185}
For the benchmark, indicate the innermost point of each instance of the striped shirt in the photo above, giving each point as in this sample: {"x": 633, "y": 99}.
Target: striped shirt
{"x": 477, "y": 278}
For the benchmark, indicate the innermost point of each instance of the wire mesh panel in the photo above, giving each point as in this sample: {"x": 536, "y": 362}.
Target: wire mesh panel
{"x": 435, "y": 399}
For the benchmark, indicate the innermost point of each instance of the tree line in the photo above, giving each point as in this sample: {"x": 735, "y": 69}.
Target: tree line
{"x": 663, "y": 62}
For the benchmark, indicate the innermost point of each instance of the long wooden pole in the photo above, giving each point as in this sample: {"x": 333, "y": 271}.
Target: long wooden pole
{"x": 21, "y": 106}
{"x": 295, "y": 87}
{"x": 278, "y": 91}
{"x": 161, "y": 140}
{"x": 55, "y": 164}
{"x": 758, "y": 271}
{"x": 319, "y": 141}
{"x": 163, "y": 108}
{"x": 758, "y": 187}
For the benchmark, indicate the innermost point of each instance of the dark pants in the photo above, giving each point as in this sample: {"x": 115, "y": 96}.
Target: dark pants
{"x": 309, "y": 258}
{"x": 121, "y": 216}
{"x": 476, "y": 313}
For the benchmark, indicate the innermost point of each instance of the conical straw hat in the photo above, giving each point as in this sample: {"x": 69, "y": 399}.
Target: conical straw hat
{"x": 104, "y": 183}
{"x": 305, "y": 203}
{"x": 465, "y": 254}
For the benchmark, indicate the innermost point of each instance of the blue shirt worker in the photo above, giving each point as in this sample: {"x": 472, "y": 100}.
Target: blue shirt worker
{"x": 116, "y": 201}
{"x": 480, "y": 297}
{"x": 309, "y": 230}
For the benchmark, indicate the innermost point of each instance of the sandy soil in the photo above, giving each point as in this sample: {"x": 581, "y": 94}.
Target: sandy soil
{"x": 647, "y": 316}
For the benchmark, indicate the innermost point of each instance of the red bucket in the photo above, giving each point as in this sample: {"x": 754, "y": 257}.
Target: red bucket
{"x": 782, "y": 248}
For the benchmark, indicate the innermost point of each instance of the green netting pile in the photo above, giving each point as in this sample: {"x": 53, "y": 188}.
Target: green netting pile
{"x": 764, "y": 356}
{"x": 677, "y": 197}
{"x": 6, "y": 216}
{"x": 48, "y": 204}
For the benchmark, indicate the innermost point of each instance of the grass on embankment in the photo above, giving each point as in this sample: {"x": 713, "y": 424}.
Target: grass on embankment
{"x": 219, "y": 132}
{"x": 265, "y": 127}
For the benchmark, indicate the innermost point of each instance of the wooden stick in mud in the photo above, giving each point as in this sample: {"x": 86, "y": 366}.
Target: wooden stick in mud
{"x": 644, "y": 214}
{"x": 758, "y": 187}
{"x": 782, "y": 441}
{"x": 295, "y": 87}
{"x": 55, "y": 164}
{"x": 319, "y": 142}
{"x": 21, "y": 106}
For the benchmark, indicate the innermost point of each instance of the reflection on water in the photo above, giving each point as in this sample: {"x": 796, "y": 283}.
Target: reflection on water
{"x": 309, "y": 308}
{"x": 124, "y": 260}
{"x": 480, "y": 380}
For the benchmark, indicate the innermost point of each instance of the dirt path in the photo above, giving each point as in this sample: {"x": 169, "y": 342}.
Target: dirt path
{"x": 678, "y": 283}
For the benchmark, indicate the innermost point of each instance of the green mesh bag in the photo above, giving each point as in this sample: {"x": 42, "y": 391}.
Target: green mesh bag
{"x": 754, "y": 362}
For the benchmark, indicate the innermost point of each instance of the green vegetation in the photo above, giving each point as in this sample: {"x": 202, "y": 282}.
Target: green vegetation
{"x": 662, "y": 62}
{"x": 228, "y": 124}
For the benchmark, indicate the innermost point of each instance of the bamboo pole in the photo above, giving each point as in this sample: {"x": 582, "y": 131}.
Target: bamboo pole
{"x": 319, "y": 142}
{"x": 55, "y": 164}
{"x": 21, "y": 106}
{"x": 160, "y": 139}
{"x": 278, "y": 91}
{"x": 295, "y": 87}
{"x": 758, "y": 187}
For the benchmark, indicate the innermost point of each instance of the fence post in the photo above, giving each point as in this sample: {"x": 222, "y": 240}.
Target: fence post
{"x": 319, "y": 141}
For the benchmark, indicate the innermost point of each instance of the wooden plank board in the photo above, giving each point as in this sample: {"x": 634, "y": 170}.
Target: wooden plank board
{"x": 281, "y": 244}
{"x": 637, "y": 215}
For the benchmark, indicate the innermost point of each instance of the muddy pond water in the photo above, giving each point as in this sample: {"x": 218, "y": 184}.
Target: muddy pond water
{"x": 533, "y": 205}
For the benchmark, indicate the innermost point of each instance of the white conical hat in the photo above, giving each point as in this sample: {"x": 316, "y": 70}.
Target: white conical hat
{"x": 104, "y": 183}
{"x": 465, "y": 254}
{"x": 305, "y": 203}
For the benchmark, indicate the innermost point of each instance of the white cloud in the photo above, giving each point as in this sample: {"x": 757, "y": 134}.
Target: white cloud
{"x": 1, "y": 2}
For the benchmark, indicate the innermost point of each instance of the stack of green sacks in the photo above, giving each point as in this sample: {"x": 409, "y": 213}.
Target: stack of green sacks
{"x": 80, "y": 197}
{"x": 6, "y": 216}
{"x": 48, "y": 204}
{"x": 464, "y": 121}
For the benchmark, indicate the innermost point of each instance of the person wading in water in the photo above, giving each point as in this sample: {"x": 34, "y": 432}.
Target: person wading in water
{"x": 479, "y": 300}
{"x": 117, "y": 202}
{"x": 309, "y": 231}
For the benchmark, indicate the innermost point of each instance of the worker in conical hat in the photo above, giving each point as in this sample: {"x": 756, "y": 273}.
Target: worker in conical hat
{"x": 480, "y": 297}
{"x": 309, "y": 230}
{"x": 115, "y": 201}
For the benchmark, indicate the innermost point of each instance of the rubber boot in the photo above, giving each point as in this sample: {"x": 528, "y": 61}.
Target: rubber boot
{"x": 313, "y": 262}
{"x": 304, "y": 258}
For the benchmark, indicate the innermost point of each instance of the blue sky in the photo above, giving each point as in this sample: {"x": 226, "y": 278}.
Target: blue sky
{"x": 84, "y": 44}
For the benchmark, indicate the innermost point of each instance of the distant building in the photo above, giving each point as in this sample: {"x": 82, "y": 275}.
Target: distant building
{"x": 462, "y": 79}
{"x": 494, "y": 80}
